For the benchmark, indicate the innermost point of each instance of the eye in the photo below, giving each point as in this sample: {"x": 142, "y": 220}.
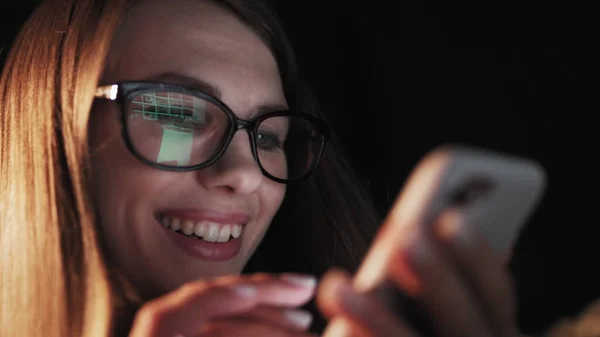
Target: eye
{"x": 268, "y": 141}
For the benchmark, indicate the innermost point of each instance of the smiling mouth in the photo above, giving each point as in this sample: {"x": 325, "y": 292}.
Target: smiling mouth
{"x": 203, "y": 230}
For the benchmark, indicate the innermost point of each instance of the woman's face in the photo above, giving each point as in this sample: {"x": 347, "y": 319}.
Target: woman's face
{"x": 194, "y": 42}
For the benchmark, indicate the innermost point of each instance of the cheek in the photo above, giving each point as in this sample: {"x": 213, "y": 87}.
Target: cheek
{"x": 108, "y": 155}
{"x": 271, "y": 197}
{"x": 119, "y": 180}
{"x": 125, "y": 193}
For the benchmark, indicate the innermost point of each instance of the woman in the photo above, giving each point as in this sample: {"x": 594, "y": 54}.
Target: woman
{"x": 131, "y": 204}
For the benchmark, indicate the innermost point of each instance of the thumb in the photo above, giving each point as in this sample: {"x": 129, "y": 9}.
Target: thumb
{"x": 334, "y": 283}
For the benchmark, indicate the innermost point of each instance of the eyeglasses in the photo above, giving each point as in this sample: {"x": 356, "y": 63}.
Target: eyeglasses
{"x": 175, "y": 128}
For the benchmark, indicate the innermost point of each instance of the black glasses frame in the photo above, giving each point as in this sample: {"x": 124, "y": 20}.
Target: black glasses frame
{"x": 123, "y": 92}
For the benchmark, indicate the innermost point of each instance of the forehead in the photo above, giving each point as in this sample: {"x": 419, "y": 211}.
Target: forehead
{"x": 195, "y": 38}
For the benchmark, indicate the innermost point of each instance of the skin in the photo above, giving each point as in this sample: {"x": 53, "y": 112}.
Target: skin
{"x": 212, "y": 45}
{"x": 451, "y": 273}
{"x": 459, "y": 282}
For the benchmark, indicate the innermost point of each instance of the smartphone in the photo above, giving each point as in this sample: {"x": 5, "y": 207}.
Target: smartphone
{"x": 493, "y": 191}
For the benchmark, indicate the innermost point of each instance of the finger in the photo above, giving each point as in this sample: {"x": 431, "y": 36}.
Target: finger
{"x": 246, "y": 328}
{"x": 326, "y": 300}
{"x": 446, "y": 298}
{"x": 287, "y": 289}
{"x": 336, "y": 297}
{"x": 291, "y": 319}
{"x": 188, "y": 308}
{"x": 483, "y": 270}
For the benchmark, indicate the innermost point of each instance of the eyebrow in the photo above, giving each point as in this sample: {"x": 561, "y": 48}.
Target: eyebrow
{"x": 197, "y": 83}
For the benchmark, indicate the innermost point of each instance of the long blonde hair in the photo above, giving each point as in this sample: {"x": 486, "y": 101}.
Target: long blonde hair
{"x": 53, "y": 281}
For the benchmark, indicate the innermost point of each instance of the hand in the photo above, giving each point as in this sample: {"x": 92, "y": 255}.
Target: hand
{"x": 244, "y": 306}
{"x": 458, "y": 281}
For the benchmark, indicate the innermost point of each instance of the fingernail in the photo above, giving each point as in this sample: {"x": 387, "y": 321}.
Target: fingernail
{"x": 299, "y": 318}
{"x": 245, "y": 291}
{"x": 304, "y": 281}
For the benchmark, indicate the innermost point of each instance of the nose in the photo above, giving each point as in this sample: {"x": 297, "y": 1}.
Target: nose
{"x": 236, "y": 171}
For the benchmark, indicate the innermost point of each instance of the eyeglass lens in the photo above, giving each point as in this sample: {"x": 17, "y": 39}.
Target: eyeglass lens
{"x": 181, "y": 130}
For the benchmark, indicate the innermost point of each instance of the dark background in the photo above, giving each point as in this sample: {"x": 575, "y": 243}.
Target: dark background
{"x": 400, "y": 78}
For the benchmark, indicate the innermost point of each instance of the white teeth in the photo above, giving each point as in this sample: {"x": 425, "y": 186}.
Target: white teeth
{"x": 188, "y": 227}
{"x": 224, "y": 234}
{"x": 205, "y": 230}
{"x": 236, "y": 231}
{"x": 175, "y": 224}
{"x": 213, "y": 233}
{"x": 200, "y": 228}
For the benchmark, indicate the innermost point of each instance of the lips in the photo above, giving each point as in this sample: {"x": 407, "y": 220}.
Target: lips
{"x": 205, "y": 234}
{"x": 208, "y": 215}
{"x": 203, "y": 229}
